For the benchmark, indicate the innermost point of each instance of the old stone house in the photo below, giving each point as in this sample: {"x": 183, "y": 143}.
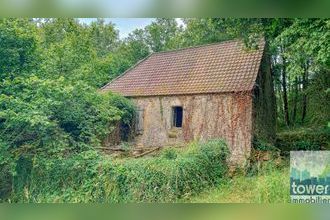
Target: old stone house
{"x": 219, "y": 90}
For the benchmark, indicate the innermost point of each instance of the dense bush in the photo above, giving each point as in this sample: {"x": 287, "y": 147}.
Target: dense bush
{"x": 92, "y": 177}
{"x": 53, "y": 114}
{"x": 52, "y": 119}
{"x": 127, "y": 116}
{"x": 304, "y": 139}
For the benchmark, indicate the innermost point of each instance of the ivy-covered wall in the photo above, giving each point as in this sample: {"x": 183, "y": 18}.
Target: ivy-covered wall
{"x": 205, "y": 116}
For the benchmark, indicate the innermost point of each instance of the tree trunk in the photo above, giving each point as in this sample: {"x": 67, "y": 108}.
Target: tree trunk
{"x": 295, "y": 101}
{"x": 305, "y": 84}
{"x": 280, "y": 98}
{"x": 285, "y": 94}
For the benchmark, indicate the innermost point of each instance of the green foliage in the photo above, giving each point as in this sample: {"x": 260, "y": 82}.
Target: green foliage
{"x": 18, "y": 47}
{"x": 51, "y": 118}
{"x": 126, "y": 107}
{"x": 91, "y": 177}
{"x": 7, "y": 168}
{"x": 96, "y": 73}
{"x": 52, "y": 115}
{"x": 91, "y": 53}
{"x": 104, "y": 36}
{"x": 272, "y": 184}
{"x": 161, "y": 34}
{"x": 127, "y": 115}
{"x": 319, "y": 103}
{"x": 202, "y": 31}
{"x": 63, "y": 50}
{"x": 269, "y": 183}
{"x": 170, "y": 154}
{"x": 304, "y": 139}
{"x": 263, "y": 146}
{"x": 311, "y": 38}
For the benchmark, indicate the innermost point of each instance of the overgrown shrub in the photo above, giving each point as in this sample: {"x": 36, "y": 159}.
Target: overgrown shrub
{"x": 127, "y": 109}
{"x": 53, "y": 114}
{"x": 304, "y": 139}
{"x": 42, "y": 119}
{"x": 92, "y": 177}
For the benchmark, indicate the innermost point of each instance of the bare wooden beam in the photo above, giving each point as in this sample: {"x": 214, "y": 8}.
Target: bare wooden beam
{"x": 147, "y": 152}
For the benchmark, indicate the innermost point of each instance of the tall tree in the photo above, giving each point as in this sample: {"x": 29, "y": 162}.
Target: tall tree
{"x": 295, "y": 99}
{"x": 308, "y": 53}
{"x": 104, "y": 36}
{"x": 63, "y": 48}
{"x": 285, "y": 92}
{"x": 203, "y": 31}
{"x": 161, "y": 33}
{"x": 18, "y": 47}
{"x": 304, "y": 85}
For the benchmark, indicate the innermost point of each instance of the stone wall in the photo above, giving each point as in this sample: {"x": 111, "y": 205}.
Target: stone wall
{"x": 227, "y": 116}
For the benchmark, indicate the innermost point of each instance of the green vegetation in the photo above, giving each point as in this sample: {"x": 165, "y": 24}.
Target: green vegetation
{"x": 304, "y": 139}
{"x": 269, "y": 184}
{"x": 52, "y": 115}
{"x": 92, "y": 177}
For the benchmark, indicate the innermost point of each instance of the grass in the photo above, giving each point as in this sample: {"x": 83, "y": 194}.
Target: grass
{"x": 172, "y": 175}
{"x": 196, "y": 173}
{"x": 270, "y": 184}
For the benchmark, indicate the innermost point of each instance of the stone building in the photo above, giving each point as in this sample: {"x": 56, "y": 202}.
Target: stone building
{"x": 219, "y": 90}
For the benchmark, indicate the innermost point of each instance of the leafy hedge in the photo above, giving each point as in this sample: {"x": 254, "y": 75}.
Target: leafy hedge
{"x": 91, "y": 177}
{"x": 305, "y": 139}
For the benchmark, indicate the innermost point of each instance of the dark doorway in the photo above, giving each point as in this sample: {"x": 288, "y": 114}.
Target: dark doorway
{"x": 177, "y": 116}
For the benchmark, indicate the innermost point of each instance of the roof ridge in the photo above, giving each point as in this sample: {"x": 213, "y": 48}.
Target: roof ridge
{"x": 198, "y": 46}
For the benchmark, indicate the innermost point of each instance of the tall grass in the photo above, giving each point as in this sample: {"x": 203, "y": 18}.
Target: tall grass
{"x": 173, "y": 175}
{"x": 268, "y": 184}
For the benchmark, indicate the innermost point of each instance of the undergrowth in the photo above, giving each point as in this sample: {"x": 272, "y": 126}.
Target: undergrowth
{"x": 268, "y": 183}
{"x": 303, "y": 139}
{"x": 91, "y": 177}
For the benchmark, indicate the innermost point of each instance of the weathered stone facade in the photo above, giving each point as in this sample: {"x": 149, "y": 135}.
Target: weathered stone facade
{"x": 207, "y": 116}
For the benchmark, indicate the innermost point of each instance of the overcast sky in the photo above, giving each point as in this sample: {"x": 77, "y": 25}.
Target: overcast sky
{"x": 126, "y": 25}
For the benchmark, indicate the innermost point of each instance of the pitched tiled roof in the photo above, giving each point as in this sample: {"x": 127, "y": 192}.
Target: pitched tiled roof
{"x": 215, "y": 68}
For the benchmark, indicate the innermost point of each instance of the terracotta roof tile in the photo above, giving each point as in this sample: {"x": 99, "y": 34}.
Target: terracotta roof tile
{"x": 216, "y": 68}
